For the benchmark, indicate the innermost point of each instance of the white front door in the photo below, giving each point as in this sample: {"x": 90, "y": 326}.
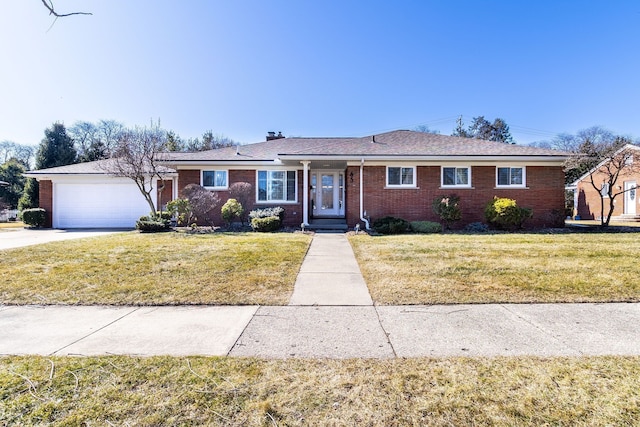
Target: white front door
{"x": 630, "y": 198}
{"x": 328, "y": 197}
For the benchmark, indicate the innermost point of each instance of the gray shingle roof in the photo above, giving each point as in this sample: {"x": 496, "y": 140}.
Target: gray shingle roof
{"x": 99, "y": 167}
{"x": 400, "y": 143}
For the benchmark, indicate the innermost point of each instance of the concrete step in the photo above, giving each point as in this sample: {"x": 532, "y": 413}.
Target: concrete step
{"x": 328, "y": 224}
{"x": 626, "y": 218}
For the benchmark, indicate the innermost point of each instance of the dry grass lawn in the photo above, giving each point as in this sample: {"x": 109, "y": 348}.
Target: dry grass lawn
{"x": 493, "y": 268}
{"x": 12, "y": 224}
{"x": 250, "y": 392}
{"x": 148, "y": 269}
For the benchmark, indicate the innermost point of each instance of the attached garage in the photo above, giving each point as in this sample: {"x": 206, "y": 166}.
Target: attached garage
{"x": 84, "y": 196}
{"x": 117, "y": 204}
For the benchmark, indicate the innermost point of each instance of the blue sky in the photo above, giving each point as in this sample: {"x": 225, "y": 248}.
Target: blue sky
{"x": 321, "y": 68}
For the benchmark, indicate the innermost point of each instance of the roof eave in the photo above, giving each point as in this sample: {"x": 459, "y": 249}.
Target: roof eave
{"x": 519, "y": 158}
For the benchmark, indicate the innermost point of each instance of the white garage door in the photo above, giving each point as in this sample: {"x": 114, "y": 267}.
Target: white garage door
{"x": 97, "y": 205}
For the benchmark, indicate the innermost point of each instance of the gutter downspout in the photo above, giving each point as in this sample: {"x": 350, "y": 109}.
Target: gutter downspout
{"x": 362, "y": 218}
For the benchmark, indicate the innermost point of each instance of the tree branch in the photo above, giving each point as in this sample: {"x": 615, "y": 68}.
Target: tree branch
{"x": 49, "y": 5}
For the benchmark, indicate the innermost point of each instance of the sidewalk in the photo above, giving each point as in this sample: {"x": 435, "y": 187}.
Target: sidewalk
{"x": 331, "y": 315}
{"x": 324, "y": 332}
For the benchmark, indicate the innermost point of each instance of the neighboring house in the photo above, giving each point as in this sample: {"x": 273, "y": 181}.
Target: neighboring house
{"x": 356, "y": 180}
{"x": 587, "y": 199}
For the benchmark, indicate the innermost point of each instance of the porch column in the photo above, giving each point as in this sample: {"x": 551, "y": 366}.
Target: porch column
{"x": 305, "y": 192}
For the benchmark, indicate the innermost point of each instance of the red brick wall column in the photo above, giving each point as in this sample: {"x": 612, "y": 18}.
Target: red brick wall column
{"x": 46, "y": 200}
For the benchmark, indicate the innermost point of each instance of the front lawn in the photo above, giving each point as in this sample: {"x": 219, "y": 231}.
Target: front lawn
{"x": 122, "y": 390}
{"x": 148, "y": 269}
{"x": 494, "y": 268}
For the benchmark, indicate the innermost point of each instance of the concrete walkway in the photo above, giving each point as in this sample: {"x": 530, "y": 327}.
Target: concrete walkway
{"x": 330, "y": 275}
{"x": 331, "y": 315}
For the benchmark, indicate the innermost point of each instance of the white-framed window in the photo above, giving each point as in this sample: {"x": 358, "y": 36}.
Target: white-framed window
{"x": 401, "y": 176}
{"x": 456, "y": 176}
{"x": 510, "y": 176}
{"x": 604, "y": 190}
{"x": 215, "y": 179}
{"x": 277, "y": 186}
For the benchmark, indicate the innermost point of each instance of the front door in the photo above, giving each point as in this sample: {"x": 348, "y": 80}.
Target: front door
{"x": 630, "y": 198}
{"x": 328, "y": 197}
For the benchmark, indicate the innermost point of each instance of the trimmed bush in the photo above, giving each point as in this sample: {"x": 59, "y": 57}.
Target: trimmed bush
{"x": 426, "y": 227}
{"x": 267, "y": 212}
{"x": 447, "y": 207}
{"x": 243, "y": 193}
{"x": 203, "y": 203}
{"x": 163, "y": 215}
{"x": 34, "y": 217}
{"x": 231, "y": 209}
{"x": 390, "y": 225}
{"x": 476, "y": 227}
{"x": 181, "y": 209}
{"x": 267, "y": 224}
{"x": 152, "y": 225}
{"x": 506, "y": 214}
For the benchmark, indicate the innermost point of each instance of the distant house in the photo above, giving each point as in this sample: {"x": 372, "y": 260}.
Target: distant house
{"x": 587, "y": 199}
{"x": 349, "y": 180}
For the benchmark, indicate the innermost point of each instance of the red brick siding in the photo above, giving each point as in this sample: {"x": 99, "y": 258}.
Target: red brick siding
{"x": 166, "y": 195}
{"x": 545, "y": 195}
{"x": 186, "y": 177}
{"x": 293, "y": 211}
{"x": 46, "y": 200}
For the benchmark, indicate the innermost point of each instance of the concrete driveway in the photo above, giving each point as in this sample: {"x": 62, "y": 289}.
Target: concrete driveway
{"x": 18, "y": 237}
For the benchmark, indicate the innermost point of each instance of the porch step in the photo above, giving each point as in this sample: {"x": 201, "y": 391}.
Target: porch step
{"x": 626, "y": 218}
{"x": 329, "y": 224}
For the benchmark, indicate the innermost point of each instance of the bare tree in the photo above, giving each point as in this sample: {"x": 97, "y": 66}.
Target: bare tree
{"x": 135, "y": 156}
{"x": 24, "y": 154}
{"x": 426, "y": 129}
{"x": 604, "y": 177}
{"x": 49, "y": 5}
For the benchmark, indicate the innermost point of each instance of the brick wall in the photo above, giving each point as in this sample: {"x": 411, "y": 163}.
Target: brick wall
{"x": 293, "y": 212}
{"x": 545, "y": 195}
{"x": 46, "y": 200}
{"x": 166, "y": 195}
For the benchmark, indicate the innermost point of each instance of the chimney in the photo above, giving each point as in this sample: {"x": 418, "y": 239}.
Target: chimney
{"x": 272, "y": 135}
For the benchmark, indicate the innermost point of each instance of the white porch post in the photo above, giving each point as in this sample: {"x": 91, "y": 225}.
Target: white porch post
{"x": 305, "y": 192}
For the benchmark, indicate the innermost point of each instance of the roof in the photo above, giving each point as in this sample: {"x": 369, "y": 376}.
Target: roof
{"x": 98, "y": 167}
{"x": 396, "y": 144}
{"x": 575, "y": 183}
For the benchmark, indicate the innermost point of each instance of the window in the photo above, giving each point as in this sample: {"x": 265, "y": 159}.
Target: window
{"x": 510, "y": 177}
{"x": 277, "y": 186}
{"x": 215, "y": 179}
{"x": 604, "y": 190}
{"x": 456, "y": 177}
{"x": 401, "y": 176}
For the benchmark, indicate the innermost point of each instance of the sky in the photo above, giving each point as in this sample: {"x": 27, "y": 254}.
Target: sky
{"x": 342, "y": 68}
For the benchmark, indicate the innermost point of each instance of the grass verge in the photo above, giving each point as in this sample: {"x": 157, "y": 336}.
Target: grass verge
{"x": 163, "y": 268}
{"x": 494, "y": 268}
{"x": 250, "y": 392}
{"x": 12, "y": 224}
